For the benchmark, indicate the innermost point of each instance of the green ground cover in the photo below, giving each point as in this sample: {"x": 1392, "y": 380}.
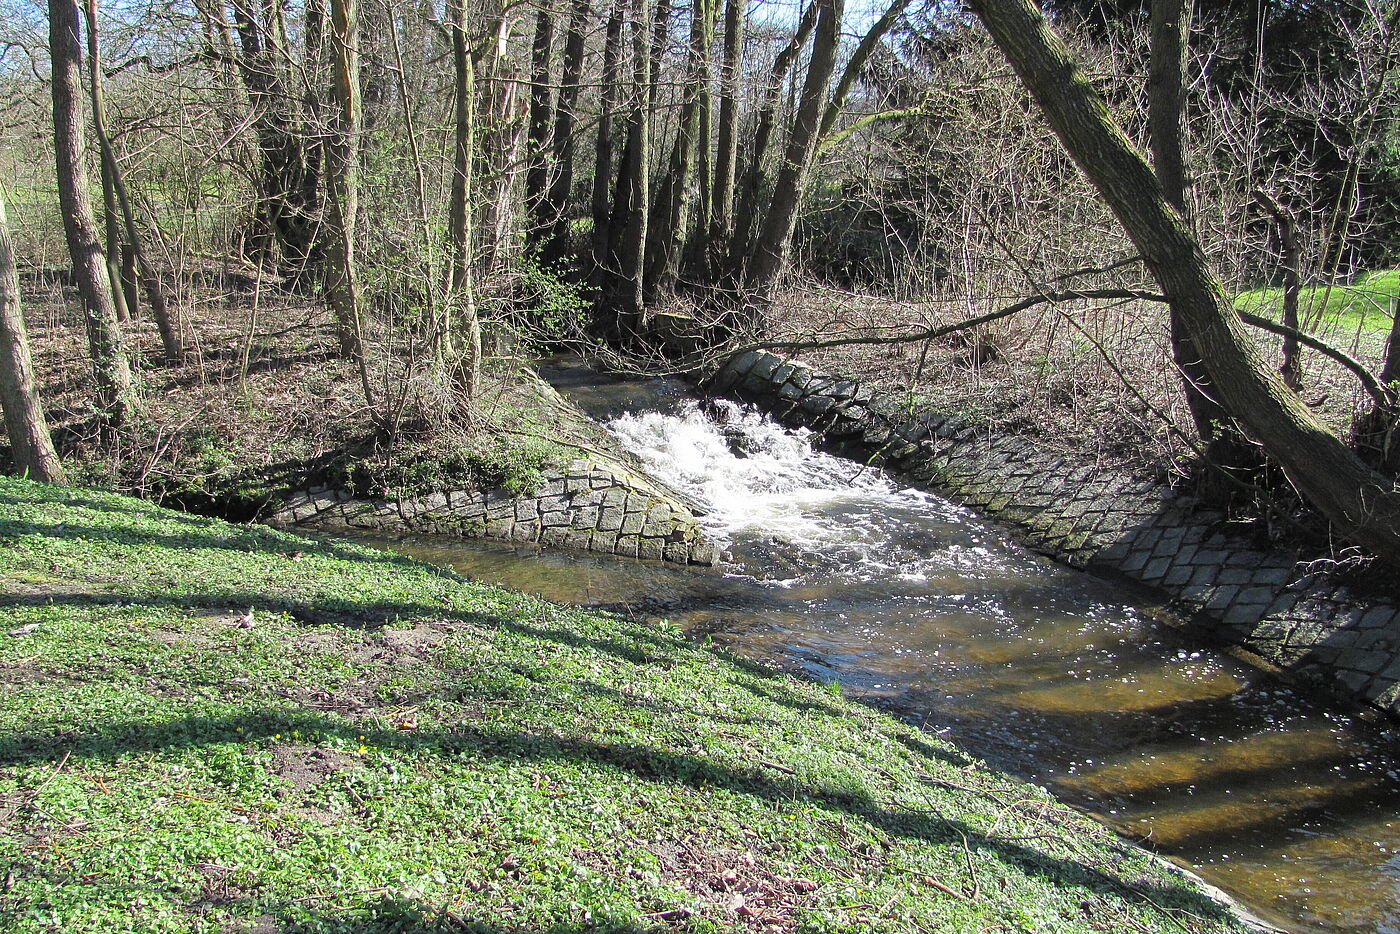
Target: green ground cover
{"x": 1367, "y": 304}
{"x": 207, "y": 727}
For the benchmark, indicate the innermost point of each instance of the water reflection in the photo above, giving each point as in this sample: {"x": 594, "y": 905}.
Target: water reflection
{"x": 1064, "y": 679}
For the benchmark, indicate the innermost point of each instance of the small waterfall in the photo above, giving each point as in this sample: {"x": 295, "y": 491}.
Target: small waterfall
{"x": 766, "y": 488}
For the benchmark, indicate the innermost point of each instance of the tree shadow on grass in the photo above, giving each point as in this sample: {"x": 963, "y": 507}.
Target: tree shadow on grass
{"x": 636, "y": 761}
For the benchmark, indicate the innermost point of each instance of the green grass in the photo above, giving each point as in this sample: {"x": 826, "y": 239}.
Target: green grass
{"x": 385, "y": 746}
{"x": 1367, "y": 304}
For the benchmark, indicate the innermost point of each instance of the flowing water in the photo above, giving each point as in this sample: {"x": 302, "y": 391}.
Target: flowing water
{"x": 1287, "y": 802}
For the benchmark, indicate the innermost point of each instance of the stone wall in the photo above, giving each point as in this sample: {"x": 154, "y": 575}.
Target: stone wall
{"x": 1103, "y": 520}
{"x": 591, "y": 504}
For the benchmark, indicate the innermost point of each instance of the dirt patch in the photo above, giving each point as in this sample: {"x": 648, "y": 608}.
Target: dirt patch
{"x": 737, "y": 886}
{"x": 306, "y": 767}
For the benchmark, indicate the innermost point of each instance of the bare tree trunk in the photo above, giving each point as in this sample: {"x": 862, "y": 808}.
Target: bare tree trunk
{"x": 775, "y": 237}
{"x": 343, "y": 175}
{"x": 289, "y": 209}
{"x": 1361, "y": 503}
{"x": 605, "y": 263}
{"x": 110, "y": 368}
{"x": 670, "y": 214}
{"x": 1226, "y": 450}
{"x": 633, "y": 198}
{"x": 30, "y": 444}
{"x": 499, "y": 154}
{"x": 111, "y": 225}
{"x": 727, "y": 155}
{"x": 462, "y": 285}
{"x": 750, "y": 191}
{"x": 1290, "y": 368}
{"x": 565, "y": 145}
{"x": 537, "y": 173}
{"x": 855, "y": 65}
{"x": 113, "y": 183}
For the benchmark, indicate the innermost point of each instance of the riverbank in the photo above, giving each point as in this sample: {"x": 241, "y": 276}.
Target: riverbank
{"x": 219, "y": 728}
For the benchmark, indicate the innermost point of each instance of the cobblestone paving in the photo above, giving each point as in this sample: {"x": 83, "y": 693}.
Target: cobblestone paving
{"x": 588, "y": 505}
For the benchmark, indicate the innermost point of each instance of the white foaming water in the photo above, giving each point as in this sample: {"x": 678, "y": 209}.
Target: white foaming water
{"x": 759, "y": 480}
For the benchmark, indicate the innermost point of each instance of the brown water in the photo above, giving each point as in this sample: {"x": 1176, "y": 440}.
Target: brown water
{"x": 1287, "y": 802}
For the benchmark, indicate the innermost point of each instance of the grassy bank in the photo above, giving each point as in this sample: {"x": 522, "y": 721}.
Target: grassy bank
{"x": 206, "y": 727}
{"x": 1368, "y": 304}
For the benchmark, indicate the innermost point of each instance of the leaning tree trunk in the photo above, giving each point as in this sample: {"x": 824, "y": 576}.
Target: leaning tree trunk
{"x": 775, "y": 236}
{"x": 750, "y": 189}
{"x": 112, "y": 242}
{"x": 30, "y": 445}
{"x": 1361, "y": 503}
{"x": 114, "y": 191}
{"x": 109, "y": 363}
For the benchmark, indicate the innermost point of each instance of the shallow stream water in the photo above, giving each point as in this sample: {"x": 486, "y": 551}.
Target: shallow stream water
{"x": 1288, "y": 802}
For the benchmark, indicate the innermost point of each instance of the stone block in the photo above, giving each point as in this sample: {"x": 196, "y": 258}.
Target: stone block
{"x": 627, "y": 545}
{"x": 610, "y": 519}
{"x": 651, "y": 548}
{"x": 585, "y": 518}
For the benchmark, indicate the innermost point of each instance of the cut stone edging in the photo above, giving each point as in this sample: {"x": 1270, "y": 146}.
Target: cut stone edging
{"x": 588, "y": 504}
{"x": 1100, "y": 519}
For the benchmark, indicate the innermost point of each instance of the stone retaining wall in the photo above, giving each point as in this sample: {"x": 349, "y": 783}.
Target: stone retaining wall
{"x": 1103, "y": 520}
{"x": 590, "y": 504}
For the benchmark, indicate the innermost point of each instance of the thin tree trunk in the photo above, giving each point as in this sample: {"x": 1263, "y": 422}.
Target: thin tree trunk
{"x": 750, "y": 191}
{"x": 110, "y": 223}
{"x": 110, "y": 368}
{"x": 1225, "y": 448}
{"x": 775, "y": 236}
{"x": 604, "y": 260}
{"x": 1361, "y": 503}
{"x": 727, "y": 155}
{"x": 633, "y": 199}
{"x": 855, "y": 65}
{"x": 30, "y": 443}
{"x": 499, "y": 153}
{"x": 343, "y": 163}
{"x": 565, "y": 145}
{"x": 113, "y": 182}
{"x": 670, "y": 214}
{"x": 1290, "y": 368}
{"x": 462, "y": 290}
{"x": 537, "y": 174}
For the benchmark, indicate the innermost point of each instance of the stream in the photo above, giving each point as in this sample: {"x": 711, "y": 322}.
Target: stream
{"x": 1288, "y": 802}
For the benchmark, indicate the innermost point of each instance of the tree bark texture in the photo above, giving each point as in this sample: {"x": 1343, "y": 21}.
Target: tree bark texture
{"x": 343, "y": 207}
{"x": 727, "y": 143}
{"x": 775, "y": 235}
{"x": 30, "y": 444}
{"x": 111, "y": 371}
{"x": 115, "y": 193}
{"x": 1224, "y": 448}
{"x": 462, "y": 284}
{"x": 751, "y": 189}
{"x": 564, "y": 142}
{"x": 1361, "y": 503}
{"x": 288, "y": 177}
{"x": 538, "y": 146}
{"x": 604, "y": 257}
